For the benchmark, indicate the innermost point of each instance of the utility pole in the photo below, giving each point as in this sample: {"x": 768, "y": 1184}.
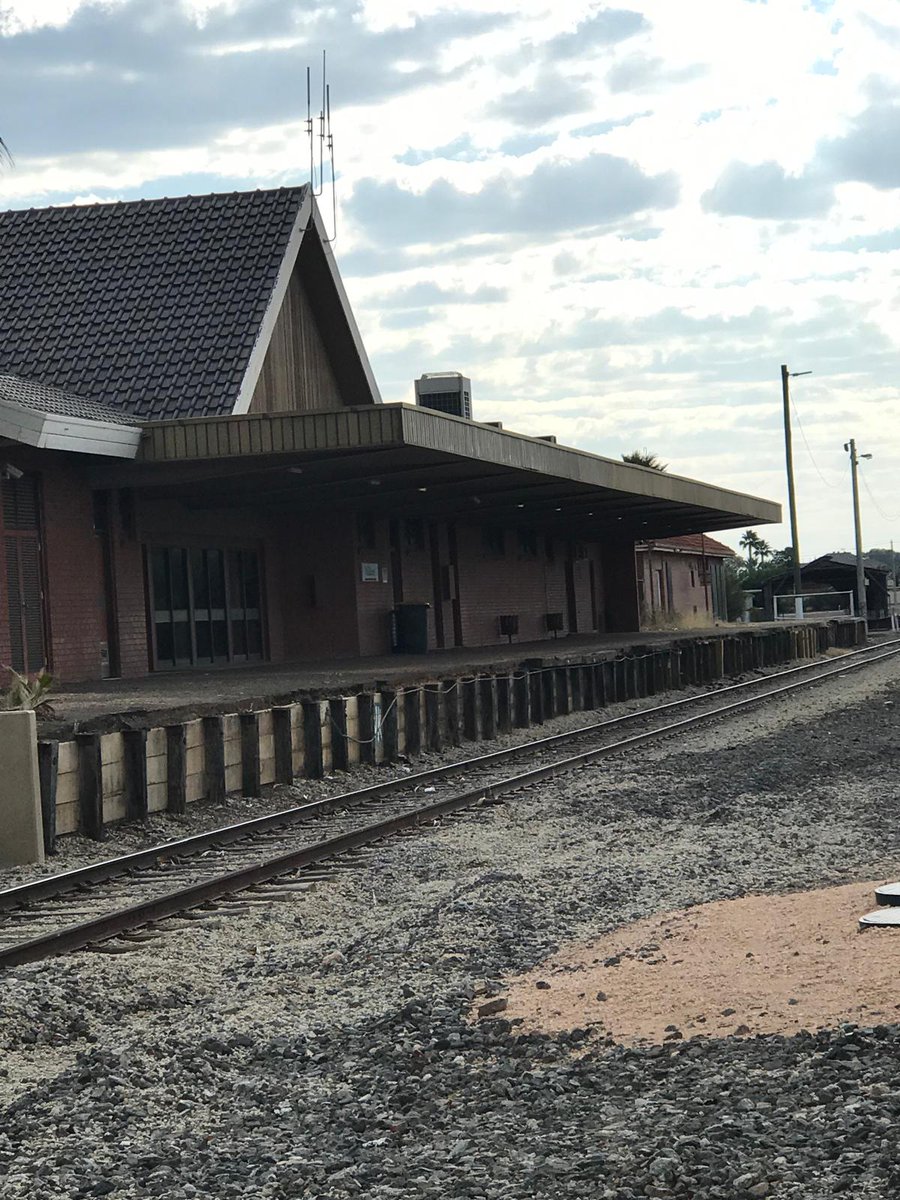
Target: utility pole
{"x": 860, "y": 569}
{"x": 786, "y": 376}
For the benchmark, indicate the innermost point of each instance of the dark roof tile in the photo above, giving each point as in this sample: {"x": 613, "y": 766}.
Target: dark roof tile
{"x": 39, "y": 397}
{"x": 126, "y": 302}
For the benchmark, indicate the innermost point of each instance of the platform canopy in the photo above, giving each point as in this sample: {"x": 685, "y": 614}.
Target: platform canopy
{"x": 404, "y": 460}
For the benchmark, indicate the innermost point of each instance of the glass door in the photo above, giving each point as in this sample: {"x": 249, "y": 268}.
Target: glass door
{"x": 206, "y": 606}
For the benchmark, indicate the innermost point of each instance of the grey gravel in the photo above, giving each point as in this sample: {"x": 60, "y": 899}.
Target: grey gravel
{"x": 321, "y": 1045}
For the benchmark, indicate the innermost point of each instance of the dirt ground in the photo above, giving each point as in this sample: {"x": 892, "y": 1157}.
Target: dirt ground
{"x": 760, "y": 964}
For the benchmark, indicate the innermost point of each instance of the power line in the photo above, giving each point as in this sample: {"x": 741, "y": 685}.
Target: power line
{"x": 885, "y": 516}
{"x": 808, "y": 450}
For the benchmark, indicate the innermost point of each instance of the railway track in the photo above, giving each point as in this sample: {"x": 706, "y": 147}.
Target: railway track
{"x": 281, "y": 853}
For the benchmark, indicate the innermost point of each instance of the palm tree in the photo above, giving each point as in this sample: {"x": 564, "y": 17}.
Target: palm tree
{"x": 751, "y": 542}
{"x": 763, "y": 550}
{"x": 643, "y": 458}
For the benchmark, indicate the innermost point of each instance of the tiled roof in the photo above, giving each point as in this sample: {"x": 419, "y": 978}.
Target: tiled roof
{"x": 842, "y": 559}
{"x": 152, "y": 306}
{"x": 695, "y": 543}
{"x": 41, "y": 397}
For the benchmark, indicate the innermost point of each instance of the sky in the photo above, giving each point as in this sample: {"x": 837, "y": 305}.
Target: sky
{"x": 618, "y": 221}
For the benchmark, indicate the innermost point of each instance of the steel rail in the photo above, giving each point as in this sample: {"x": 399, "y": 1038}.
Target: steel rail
{"x": 50, "y": 886}
{"x": 125, "y": 920}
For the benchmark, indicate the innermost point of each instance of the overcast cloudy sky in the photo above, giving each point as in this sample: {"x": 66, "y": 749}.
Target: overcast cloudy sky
{"x": 619, "y": 221}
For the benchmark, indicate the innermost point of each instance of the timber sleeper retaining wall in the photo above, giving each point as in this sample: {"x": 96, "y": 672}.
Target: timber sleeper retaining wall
{"x": 97, "y": 779}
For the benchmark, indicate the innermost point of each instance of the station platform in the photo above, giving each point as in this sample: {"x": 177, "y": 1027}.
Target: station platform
{"x": 161, "y": 698}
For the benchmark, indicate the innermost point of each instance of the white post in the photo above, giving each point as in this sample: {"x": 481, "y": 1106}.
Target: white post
{"x": 21, "y": 830}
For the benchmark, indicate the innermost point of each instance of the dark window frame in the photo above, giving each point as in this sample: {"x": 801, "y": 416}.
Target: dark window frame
{"x": 18, "y": 537}
{"x": 239, "y": 562}
{"x": 493, "y": 541}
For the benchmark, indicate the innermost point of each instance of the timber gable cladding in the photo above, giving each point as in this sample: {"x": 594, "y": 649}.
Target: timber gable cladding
{"x": 297, "y": 374}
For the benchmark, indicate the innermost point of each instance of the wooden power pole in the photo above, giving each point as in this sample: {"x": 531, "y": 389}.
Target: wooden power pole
{"x": 786, "y": 376}
{"x": 862, "y": 606}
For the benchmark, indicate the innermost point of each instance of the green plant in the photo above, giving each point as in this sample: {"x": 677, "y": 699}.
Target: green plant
{"x": 24, "y": 692}
{"x": 643, "y": 458}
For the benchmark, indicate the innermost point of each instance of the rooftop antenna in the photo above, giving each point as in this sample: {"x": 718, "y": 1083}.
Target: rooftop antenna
{"x": 309, "y": 133}
{"x": 331, "y": 162}
{"x": 326, "y": 143}
{"x": 322, "y": 130}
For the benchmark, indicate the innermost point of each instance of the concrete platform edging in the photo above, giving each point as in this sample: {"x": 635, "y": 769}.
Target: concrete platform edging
{"x": 99, "y": 778}
{"x": 21, "y": 820}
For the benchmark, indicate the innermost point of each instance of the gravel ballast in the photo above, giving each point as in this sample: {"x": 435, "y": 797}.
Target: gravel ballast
{"x": 328, "y": 1045}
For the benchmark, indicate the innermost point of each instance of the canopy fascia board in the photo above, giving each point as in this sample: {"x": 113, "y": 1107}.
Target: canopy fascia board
{"x": 366, "y": 429}
{"x": 78, "y": 435}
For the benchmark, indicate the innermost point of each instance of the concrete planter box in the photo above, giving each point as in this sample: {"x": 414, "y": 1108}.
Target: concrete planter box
{"x": 21, "y": 833}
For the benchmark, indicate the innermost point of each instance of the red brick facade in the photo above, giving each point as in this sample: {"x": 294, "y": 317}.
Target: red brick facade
{"x": 330, "y": 582}
{"x": 681, "y": 577}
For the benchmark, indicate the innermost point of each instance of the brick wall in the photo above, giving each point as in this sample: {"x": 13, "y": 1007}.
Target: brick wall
{"x": 317, "y": 588}
{"x": 684, "y": 593}
{"x": 374, "y": 600}
{"x": 518, "y": 582}
{"x": 416, "y": 577}
{"x": 73, "y": 567}
{"x": 128, "y": 567}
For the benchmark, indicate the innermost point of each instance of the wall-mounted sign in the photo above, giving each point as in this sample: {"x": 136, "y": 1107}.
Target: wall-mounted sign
{"x": 370, "y": 572}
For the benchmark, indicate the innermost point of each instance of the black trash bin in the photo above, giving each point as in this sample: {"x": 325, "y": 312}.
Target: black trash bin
{"x": 411, "y": 628}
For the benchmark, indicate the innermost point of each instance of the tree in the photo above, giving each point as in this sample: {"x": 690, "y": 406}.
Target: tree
{"x": 6, "y": 159}
{"x": 643, "y": 458}
{"x": 755, "y": 570}
{"x": 734, "y": 588}
{"x": 750, "y": 542}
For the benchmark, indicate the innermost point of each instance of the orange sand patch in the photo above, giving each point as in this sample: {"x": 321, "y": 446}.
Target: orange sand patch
{"x": 778, "y": 963}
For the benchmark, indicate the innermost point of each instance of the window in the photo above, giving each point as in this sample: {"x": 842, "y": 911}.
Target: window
{"x": 22, "y": 560}
{"x": 365, "y": 533}
{"x": 528, "y": 543}
{"x": 693, "y": 579}
{"x": 206, "y": 605}
{"x": 494, "y": 541}
{"x": 413, "y": 534}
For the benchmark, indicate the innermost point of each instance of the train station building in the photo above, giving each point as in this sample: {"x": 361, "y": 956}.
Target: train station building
{"x": 197, "y": 468}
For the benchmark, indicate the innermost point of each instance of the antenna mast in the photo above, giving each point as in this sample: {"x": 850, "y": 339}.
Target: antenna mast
{"x": 309, "y": 132}
{"x": 326, "y": 143}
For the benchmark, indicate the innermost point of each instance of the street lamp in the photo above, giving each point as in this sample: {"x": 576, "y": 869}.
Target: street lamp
{"x": 850, "y": 447}
{"x": 787, "y": 375}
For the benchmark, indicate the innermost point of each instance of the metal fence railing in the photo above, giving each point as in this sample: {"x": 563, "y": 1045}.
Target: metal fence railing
{"x": 791, "y": 607}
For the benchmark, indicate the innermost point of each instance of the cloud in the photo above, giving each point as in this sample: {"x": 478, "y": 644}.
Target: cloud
{"x": 607, "y": 27}
{"x": 526, "y": 143}
{"x": 598, "y": 128}
{"x": 639, "y": 73}
{"x": 556, "y": 196}
{"x": 461, "y": 149}
{"x": 424, "y": 294}
{"x": 551, "y": 96}
{"x": 145, "y": 73}
{"x": 867, "y": 153}
{"x": 884, "y": 33}
{"x": 765, "y": 191}
{"x": 876, "y": 243}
